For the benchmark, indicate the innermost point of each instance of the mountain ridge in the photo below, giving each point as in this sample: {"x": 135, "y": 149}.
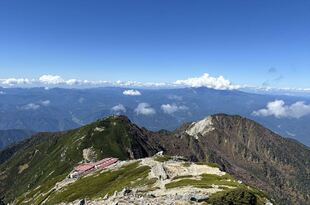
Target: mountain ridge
{"x": 59, "y": 109}
{"x": 239, "y": 146}
{"x": 12, "y": 136}
{"x": 263, "y": 153}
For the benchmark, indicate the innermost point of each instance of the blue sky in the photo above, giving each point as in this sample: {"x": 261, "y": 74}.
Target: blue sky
{"x": 262, "y": 42}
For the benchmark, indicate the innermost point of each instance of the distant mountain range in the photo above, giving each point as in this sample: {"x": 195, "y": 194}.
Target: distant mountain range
{"x": 9, "y": 137}
{"x": 58, "y": 109}
{"x": 280, "y": 167}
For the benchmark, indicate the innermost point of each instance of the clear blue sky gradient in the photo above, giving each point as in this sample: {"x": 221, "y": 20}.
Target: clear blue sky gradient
{"x": 160, "y": 40}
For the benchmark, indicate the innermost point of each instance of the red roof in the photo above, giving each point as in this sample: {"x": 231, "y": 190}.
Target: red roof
{"x": 84, "y": 167}
{"x": 102, "y": 164}
{"x": 107, "y": 163}
{"x": 102, "y": 161}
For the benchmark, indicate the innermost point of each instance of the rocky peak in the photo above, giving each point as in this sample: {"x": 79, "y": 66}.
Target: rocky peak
{"x": 250, "y": 152}
{"x": 200, "y": 127}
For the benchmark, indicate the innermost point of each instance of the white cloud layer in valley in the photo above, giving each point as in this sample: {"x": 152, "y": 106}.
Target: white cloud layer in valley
{"x": 30, "y": 106}
{"x": 279, "y": 109}
{"x": 172, "y": 108}
{"x": 35, "y": 106}
{"x": 144, "y": 109}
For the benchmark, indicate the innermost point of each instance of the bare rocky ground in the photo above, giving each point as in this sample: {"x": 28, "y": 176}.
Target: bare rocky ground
{"x": 164, "y": 172}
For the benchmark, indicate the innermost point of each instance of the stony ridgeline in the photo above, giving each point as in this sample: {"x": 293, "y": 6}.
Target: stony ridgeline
{"x": 158, "y": 180}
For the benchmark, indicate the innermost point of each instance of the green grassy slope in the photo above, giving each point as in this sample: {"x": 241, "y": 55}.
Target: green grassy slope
{"x": 135, "y": 175}
{"x": 47, "y": 158}
{"x": 99, "y": 185}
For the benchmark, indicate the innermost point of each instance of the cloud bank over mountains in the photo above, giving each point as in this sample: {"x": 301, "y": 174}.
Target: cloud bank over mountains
{"x": 218, "y": 83}
{"x": 279, "y": 109}
{"x": 15, "y": 81}
{"x": 205, "y": 80}
{"x": 58, "y": 81}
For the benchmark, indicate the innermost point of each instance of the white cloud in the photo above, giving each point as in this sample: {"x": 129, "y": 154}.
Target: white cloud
{"x": 279, "y": 109}
{"x": 73, "y": 82}
{"x": 145, "y": 109}
{"x": 127, "y": 83}
{"x": 170, "y": 109}
{"x": 45, "y": 102}
{"x": 30, "y": 106}
{"x": 51, "y": 79}
{"x": 137, "y": 84}
{"x": 78, "y": 82}
{"x": 205, "y": 80}
{"x": 132, "y": 92}
{"x": 35, "y": 106}
{"x": 56, "y": 80}
{"x": 15, "y": 81}
{"x": 219, "y": 83}
{"x": 119, "y": 109}
{"x": 2, "y": 92}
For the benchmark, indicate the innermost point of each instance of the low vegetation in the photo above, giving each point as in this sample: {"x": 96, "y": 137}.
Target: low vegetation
{"x": 205, "y": 181}
{"x": 182, "y": 177}
{"x": 162, "y": 158}
{"x": 99, "y": 185}
{"x": 210, "y": 164}
{"x": 238, "y": 196}
{"x": 234, "y": 193}
{"x": 51, "y": 157}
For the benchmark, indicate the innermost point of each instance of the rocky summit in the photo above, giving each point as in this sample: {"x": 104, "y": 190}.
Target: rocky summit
{"x": 155, "y": 180}
{"x": 221, "y": 159}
